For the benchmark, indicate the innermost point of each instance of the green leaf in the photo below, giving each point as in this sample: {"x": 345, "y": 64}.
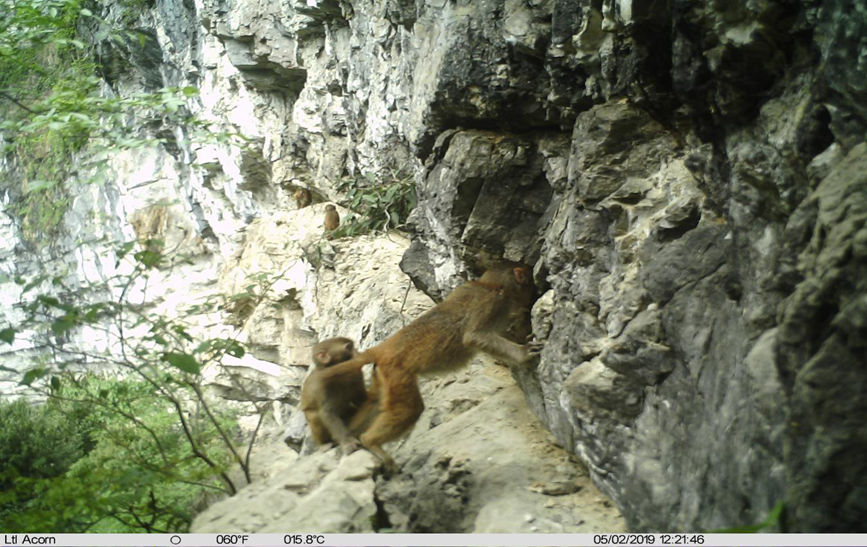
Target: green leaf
{"x": 91, "y": 315}
{"x": 33, "y": 283}
{"x": 37, "y": 185}
{"x": 204, "y": 346}
{"x": 124, "y": 249}
{"x": 147, "y": 258}
{"x": 235, "y": 349}
{"x": 32, "y": 375}
{"x": 62, "y": 324}
{"x": 183, "y": 361}
{"x": 7, "y": 335}
{"x": 182, "y": 332}
{"x": 48, "y": 301}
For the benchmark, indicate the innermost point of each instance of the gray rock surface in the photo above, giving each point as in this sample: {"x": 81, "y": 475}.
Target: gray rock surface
{"x": 316, "y": 493}
{"x": 686, "y": 178}
{"x": 477, "y": 461}
{"x": 821, "y": 350}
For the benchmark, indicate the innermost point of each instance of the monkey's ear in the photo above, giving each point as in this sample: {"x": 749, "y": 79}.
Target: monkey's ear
{"x": 521, "y": 275}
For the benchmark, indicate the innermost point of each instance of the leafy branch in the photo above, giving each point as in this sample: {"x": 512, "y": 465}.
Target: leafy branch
{"x": 378, "y": 204}
{"x": 140, "y": 345}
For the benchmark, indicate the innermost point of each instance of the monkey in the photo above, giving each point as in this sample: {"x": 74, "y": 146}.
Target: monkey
{"x": 332, "y": 219}
{"x": 329, "y": 403}
{"x": 473, "y": 318}
{"x": 302, "y": 197}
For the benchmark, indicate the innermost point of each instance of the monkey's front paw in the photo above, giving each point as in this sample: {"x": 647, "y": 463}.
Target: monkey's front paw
{"x": 534, "y": 349}
{"x": 535, "y": 346}
{"x": 389, "y": 467}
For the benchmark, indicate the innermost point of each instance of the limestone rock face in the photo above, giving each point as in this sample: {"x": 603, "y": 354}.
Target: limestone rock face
{"x": 683, "y": 233}
{"x": 687, "y": 180}
{"x": 820, "y": 344}
{"x": 477, "y": 461}
{"x": 484, "y": 196}
{"x": 316, "y": 493}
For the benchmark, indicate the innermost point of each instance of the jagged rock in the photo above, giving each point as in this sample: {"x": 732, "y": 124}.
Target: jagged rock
{"x": 685, "y": 177}
{"x": 477, "y": 461}
{"x": 317, "y": 493}
{"x": 821, "y": 348}
{"x": 613, "y": 145}
{"x": 477, "y": 184}
{"x": 841, "y": 33}
{"x": 646, "y": 316}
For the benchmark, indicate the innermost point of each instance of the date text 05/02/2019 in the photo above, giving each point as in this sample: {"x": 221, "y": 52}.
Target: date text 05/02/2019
{"x": 648, "y": 539}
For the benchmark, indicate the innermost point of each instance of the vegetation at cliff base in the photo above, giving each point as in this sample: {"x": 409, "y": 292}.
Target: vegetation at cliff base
{"x": 126, "y": 437}
{"x": 74, "y": 464}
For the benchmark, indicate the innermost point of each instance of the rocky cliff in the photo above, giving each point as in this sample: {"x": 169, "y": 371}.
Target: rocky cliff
{"x": 687, "y": 179}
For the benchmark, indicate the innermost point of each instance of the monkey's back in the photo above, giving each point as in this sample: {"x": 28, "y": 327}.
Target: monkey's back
{"x": 434, "y": 342}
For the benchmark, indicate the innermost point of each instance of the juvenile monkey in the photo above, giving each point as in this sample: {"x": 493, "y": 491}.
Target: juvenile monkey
{"x": 472, "y": 318}
{"x": 329, "y": 402}
{"x": 332, "y": 219}
{"x": 302, "y": 197}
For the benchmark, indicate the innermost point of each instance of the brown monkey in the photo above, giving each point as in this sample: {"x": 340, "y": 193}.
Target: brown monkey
{"x": 332, "y": 219}
{"x": 302, "y": 197}
{"x": 329, "y": 403}
{"x": 472, "y": 318}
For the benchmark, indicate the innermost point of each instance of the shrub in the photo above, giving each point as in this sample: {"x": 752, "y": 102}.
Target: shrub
{"x": 79, "y": 463}
{"x": 377, "y": 204}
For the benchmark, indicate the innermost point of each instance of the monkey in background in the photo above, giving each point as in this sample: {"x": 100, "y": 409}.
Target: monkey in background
{"x": 302, "y": 197}
{"x": 332, "y": 219}
{"x": 329, "y": 403}
{"x": 473, "y": 318}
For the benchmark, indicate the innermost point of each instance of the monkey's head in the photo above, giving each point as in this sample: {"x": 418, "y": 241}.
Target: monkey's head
{"x": 332, "y": 351}
{"x": 330, "y": 207}
{"x": 516, "y": 280}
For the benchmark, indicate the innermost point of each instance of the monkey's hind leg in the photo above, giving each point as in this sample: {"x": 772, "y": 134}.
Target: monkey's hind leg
{"x": 317, "y": 428}
{"x": 401, "y": 405}
{"x": 339, "y": 432}
{"x": 364, "y": 416}
{"x": 362, "y": 419}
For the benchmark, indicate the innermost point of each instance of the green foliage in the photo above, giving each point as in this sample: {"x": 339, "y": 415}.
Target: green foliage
{"x": 75, "y": 464}
{"x": 37, "y": 444}
{"x": 44, "y": 71}
{"x": 36, "y": 441}
{"x": 152, "y": 441}
{"x": 37, "y": 40}
{"x": 378, "y": 204}
{"x": 51, "y": 109}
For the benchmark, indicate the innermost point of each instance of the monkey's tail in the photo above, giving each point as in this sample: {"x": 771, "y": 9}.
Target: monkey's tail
{"x": 351, "y": 366}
